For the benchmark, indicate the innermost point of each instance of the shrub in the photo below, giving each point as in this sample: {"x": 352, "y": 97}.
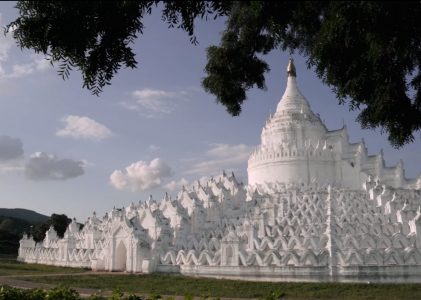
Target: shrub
{"x": 9, "y": 293}
{"x": 275, "y": 295}
{"x": 57, "y": 293}
{"x": 62, "y": 293}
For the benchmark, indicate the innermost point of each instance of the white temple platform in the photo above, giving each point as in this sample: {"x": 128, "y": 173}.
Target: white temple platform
{"x": 317, "y": 208}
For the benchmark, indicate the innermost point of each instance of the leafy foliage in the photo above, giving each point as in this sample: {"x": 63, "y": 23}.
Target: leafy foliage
{"x": 368, "y": 52}
{"x": 38, "y": 231}
{"x": 11, "y": 230}
{"x": 57, "y": 293}
{"x": 13, "y": 225}
{"x": 59, "y": 223}
{"x": 95, "y": 37}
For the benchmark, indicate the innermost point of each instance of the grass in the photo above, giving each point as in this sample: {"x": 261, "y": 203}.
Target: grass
{"x": 9, "y": 267}
{"x": 165, "y": 284}
{"x": 204, "y": 287}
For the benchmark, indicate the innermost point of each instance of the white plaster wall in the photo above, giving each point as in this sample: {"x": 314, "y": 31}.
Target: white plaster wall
{"x": 322, "y": 172}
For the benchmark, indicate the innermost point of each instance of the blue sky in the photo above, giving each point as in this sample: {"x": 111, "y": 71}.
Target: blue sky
{"x": 63, "y": 150}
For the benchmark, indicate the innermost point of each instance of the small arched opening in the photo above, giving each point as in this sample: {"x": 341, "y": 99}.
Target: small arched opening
{"x": 120, "y": 257}
{"x": 230, "y": 255}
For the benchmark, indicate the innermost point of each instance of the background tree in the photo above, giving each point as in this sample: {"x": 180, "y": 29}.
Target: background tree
{"x": 38, "y": 231}
{"x": 59, "y": 223}
{"x": 368, "y": 52}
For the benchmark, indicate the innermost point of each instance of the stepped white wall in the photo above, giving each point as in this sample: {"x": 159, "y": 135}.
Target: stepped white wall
{"x": 317, "y": 207}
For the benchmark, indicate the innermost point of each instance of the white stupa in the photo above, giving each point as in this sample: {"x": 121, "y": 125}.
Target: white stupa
{"x": 316, "y": 208}
{"x": 297, "y": 147}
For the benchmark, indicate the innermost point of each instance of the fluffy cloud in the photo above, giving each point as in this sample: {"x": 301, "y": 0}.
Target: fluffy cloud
{"x": 176, "y": 185}
{"x": 219, "y": 157}
{"x": 78, "y": 127}
{"x": 10, "y": 148}
{"x": 152, "y": 103}
{"x": 141, "y": 175}
{"x": 25, "y": 69}
{"x": 20, "y": 70}
{"x": 43, "y": 166}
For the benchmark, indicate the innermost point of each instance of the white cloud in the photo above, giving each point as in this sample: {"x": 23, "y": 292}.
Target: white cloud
{"x": 20, "y": 70}
{"x": 43, "y": 166}
{"x": 176, "y": 185}
{"x": 79, "y": 127}
{"x": 141, "y": 175}
{"x": 154, "y": 148}
{"x": 129, "y": 106}
{"x": 41, "y": 63}
{"x": 220, "y": 157}
{"x": 152, "y": 103}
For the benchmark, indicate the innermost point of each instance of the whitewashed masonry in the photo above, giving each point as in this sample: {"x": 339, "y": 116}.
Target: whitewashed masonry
{"x": 317, "y": 207}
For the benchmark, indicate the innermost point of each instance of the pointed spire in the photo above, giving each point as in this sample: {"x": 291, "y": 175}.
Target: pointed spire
{"x": 291, "y": 68}
{"x": 292, "y": 99}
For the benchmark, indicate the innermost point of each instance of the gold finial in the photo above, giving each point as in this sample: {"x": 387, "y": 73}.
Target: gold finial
{"x": 291, "y": 68}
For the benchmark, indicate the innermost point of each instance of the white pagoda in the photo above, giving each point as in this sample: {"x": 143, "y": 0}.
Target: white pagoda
{"x": 317, "y": 207}
{"x": 297, "y": 147}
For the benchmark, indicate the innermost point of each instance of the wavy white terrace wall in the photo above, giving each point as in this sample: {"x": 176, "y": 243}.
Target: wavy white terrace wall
{"x": 293, "y": 230}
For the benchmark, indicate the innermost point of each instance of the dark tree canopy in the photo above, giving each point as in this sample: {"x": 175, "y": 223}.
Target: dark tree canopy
{"x": 369, "y": 53}
{"x": 59, "y": 223}
{"x": 95, "y": 37}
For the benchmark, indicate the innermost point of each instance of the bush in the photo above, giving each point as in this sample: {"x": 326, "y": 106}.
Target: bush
{"x": 36, "y": 294}
{"x": 9, "y": 293}
{"x": 62, "y": 293}
{"x": 59, "y": 293}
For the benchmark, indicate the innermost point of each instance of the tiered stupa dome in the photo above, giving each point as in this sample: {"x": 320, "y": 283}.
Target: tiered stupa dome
{"x": 297, "y": 147}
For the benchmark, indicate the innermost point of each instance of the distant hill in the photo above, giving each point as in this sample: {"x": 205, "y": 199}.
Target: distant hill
{"x": 24, "y": 214}
{"x": 14, "y": 225}
{"x": 11, "y": 230}
{"x": 15, "y": 221}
